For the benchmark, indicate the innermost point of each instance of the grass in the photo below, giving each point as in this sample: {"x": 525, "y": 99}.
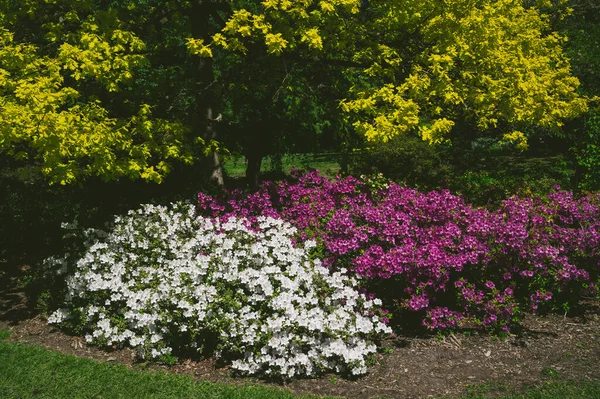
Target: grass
{"x": 555, "y": 389}
{"x": 33, "y": 372}
{"x": 326, "y": 163}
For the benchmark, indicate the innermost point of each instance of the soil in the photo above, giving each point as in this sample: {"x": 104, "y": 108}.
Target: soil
{"x": 555, "y": 346}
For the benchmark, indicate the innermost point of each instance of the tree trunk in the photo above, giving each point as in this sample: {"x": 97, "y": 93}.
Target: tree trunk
{"x": 254, "y": 160}
{"x": 257, "y": 144}
{"x": 203, "y": 117}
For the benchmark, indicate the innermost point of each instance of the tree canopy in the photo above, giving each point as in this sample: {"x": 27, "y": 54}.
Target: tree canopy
{"x": 130, "y": 88}
{"x": 67, "y": 69}
{"x": 423, "y": 66}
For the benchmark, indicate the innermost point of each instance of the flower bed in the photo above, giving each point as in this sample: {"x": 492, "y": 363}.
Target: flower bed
{"x": 165, "y": 281}
{"x": 246, "y": 279}
{"x": 434, "y": 255}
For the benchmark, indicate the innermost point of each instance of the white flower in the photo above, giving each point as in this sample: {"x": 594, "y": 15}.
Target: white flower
{"x": 58, "y": 316}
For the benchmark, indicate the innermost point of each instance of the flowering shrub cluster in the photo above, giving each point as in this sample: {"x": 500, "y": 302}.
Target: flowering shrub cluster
{"x": 432, "y": 253}
{"x": 165, "y": 281}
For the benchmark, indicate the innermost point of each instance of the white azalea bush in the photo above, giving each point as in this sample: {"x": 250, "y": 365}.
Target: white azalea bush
{"x": 164, "y": 280}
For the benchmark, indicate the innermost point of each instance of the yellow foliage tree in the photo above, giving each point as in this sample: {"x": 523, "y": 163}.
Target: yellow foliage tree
{"x": 46, "y": 115}
{"x": 423, "y": 66}
{"x": 426, "y": 67}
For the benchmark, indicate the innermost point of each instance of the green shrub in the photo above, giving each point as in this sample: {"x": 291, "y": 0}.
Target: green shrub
{"x": 407, "y": 160}
{"x": 505, "y": 176}
{"x": 588, "y": 153}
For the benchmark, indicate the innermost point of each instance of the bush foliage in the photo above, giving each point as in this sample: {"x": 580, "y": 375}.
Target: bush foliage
{"x": 406, "y": 160}
{"x": 435, "y": 255}
{"x": 300, "y": 277}
{"x": 165, "y": 281}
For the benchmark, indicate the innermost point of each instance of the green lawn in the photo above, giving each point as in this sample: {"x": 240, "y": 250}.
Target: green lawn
{"x": 556, "y": 389}
{"x": 33, "y": 372}
{"x": 327, "y": 164}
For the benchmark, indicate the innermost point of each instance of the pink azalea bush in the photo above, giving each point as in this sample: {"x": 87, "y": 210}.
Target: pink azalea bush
{"x": 431, "y": 254}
